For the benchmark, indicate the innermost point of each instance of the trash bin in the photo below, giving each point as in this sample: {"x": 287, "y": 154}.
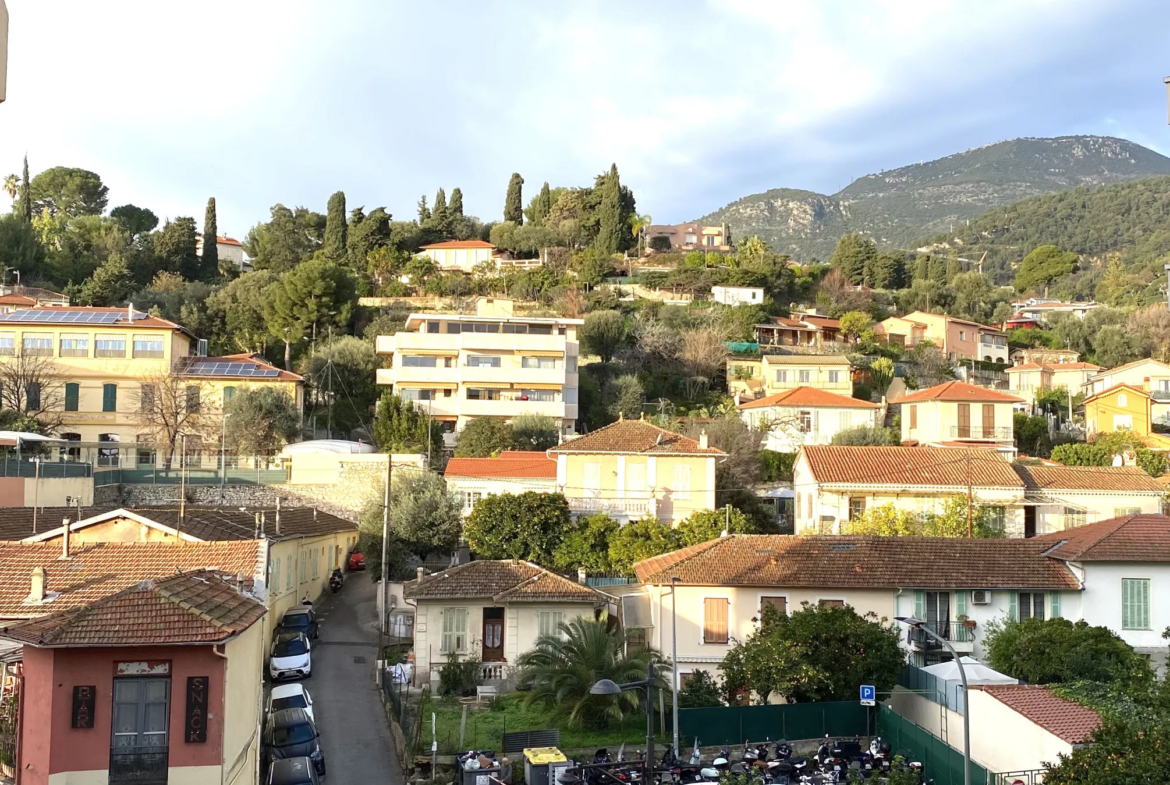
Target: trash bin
{"x": 541, "y": 765}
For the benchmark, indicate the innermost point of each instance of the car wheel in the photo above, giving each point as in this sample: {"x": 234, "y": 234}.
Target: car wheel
{"x": 321, "y": 768}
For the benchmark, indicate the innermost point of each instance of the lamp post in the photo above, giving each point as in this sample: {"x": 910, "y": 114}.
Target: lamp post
{"x": 609, "y": 687}
{"x": 921, "y": 626}
{"x": 674, "y": 659}
{"x": 223, "y": 459}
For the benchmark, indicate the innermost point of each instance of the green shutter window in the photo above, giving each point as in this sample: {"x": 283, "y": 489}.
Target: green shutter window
{"x": 961, "y": 603}
{"x": 109, "y": 397}
{"x": 1135, "y": 603}
{"x": 1055, "y": 604}
{"x": 228, "y": 394}
{"x": 72, "y": 392}
{"x": 919, "y": 604}
{"x": 1013, "y": 606}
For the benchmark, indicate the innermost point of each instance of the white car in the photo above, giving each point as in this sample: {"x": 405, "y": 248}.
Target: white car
{"x": 290, "y": 696}
{"x": 290, "y": 657}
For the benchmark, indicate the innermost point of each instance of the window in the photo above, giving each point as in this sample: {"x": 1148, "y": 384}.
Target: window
{"x": 37, "y": 344}
{"x": 1028, "y": 605}
{"x": 146, "y": 449}
{"x": 831, "y": 603}
{"x": 288, "y": 575}
{"x": 109, "y": 397}
{"x": 276, "y": 575}
{"x": 1122, "y": 400}
{"x": 74, "y": 345}
{"x": 592, "y": 479}
{"x": 571, "y": 363}
{"x": 996, "y": 518}
{"x": 148, "y": 346}
{"x": 415, "y": 361}
{"x": 110, "y": 346}
{"x": 108, "y": 456}
{"x": 316, "y": 562}
{"x": 856, "y": 507}
{"x": 194, "y": 450}
{"x": 682, "y": 482}
{"x": 834, "y": 377}
{"x": 913, "y": 417}
{"x": 304, "y": 562}
{"x": 715, "y": 619}
{"x": 689, "y": 239}
{"x": 194, "y": 403}
{"x": 806, "y": 420}
{"x": 635, "y": 639}
{"x": 549, "y": 623}
{"x": 1120, "y": 511}
{"x": 483, "y": 361}
{"x": 844, "y": 421}
{"x": 782, "y": 377}
{"x": 803, "y": 376}
{"x": 146, "y": 398}
{"x": 454, "y": 630}
{"x": 71, "y": 453}
{"x": 72, "y": 394}
{"x": 432, "y": 327}
{"x": 411, "y": 394}
{"x": 989, "y": 421}
{"x": 1074, "y": 517}
{"x": 470, "y": 498}
{"x": 481, "y": 394}
{"x": 32, "y": 394}
{"x": 779, "y": 603}
{"x": 636, "y": 480}
{"x": 8, "y": 344}
{"x": 228, "y": 394}
{"x": 545, "y": 363}
{"x": 569, "y": 394}
{"x": 962, "y": 335}
{"x": 140, "y": 713}
{"x": 1135, "y": 603}
{"x": 809, "y": 501}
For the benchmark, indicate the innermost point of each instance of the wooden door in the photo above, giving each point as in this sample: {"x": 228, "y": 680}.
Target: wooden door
{"x": 493, "y": 634}
{"x": 989, "y": 421}
{"x": 964, "y": 421}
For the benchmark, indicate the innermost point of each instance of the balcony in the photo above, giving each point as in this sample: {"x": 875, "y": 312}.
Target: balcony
{"x": 982, "y": 432}
{"x": 143, "y": 765}
{"x": 621, "y": 508}
{"x": 558, "y": 410}
{"x": 960, "y": 637}
{"x": 406, "y": 342}
{"x": 511, "y": 372}
{"x": 419, "y": 376}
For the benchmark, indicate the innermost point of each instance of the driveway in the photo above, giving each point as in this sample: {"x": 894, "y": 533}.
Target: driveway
{"x": 355, "y": 734}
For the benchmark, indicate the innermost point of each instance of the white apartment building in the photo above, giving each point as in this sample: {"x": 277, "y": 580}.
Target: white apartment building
{"x": 492, "y": 364}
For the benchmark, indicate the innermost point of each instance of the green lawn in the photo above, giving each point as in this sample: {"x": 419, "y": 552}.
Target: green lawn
{"x": 486, "y": 727}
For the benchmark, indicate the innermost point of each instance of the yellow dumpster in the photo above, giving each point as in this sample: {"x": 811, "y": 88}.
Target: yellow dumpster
{"x": 541, "y": 765}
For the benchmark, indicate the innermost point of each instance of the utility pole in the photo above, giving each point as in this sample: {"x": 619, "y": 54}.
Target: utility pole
{"x": 329, "y": 382}
{"x": 385, "y": 538}
{"x": 182, "y": 479}
{"x": 970, "y": 525}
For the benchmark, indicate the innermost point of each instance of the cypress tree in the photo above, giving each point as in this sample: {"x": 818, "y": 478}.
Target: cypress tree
{"x": 335, "y": 228}
{"x": 210, "y": 260}
{"x": 25, "y": 193}
{"x": 455, "y": 208}
{"x": 610, "y": 225}
{"x": 514, "y": 202}
{"x": 424, "y": 212}
{"x": 543, "y": 205}
{"x": 439, "y": 215}
{"x": 922, "y": 268}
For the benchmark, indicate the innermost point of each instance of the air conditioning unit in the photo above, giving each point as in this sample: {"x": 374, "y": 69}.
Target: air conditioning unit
{"x": 981, "y": 597}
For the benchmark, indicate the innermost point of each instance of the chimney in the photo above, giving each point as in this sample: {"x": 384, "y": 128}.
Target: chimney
{"x": 419, "y": 572}
{"x": 1146, "y": 384}
{"x": 278, "y": 515}
{"x": 65, "y": 538}
{"x": 130, "y": 312}
{"x": 314, "y": 515}
{"x": 581, "y": 575}
{"x": 37, "y": 594}
{"x": 263, "y": 521}
{"x": 703, "y": 439}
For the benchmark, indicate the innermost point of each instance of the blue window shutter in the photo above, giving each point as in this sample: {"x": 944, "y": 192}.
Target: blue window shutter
{"x": 1055, "y": 604}
{"x": 1013, "y": 606}
{"x": 919, "y": 604}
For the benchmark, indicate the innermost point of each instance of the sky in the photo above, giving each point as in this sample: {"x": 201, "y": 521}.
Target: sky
{"x": 257, "y": 102}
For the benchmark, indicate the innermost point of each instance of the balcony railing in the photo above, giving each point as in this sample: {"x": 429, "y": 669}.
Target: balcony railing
{"x": 954, "y": 632}
{"x": 142, "y": 765}
{"x": 1001, "y": 433}
{"x": 631, "y": 508}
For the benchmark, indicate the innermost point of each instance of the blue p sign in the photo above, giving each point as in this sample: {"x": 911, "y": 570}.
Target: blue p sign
{"x": 868, "y": 695}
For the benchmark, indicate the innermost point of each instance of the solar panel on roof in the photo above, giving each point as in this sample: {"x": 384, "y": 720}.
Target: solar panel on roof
{"x": 230, "y": 369}
{"x": 68, "y": 317}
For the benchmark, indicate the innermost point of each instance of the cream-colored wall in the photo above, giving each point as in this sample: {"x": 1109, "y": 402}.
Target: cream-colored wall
{"x": 1097, "y": 505}
{"x": 324, "y": 468}
{"x": 463, "y": 259}
{"x": 1026, "y": 384}
{"x": 938, "y": 421}
{"x": 818, "y": 377}
{"x": 176, "y": 775}
{"x": 785, "y": 435}
{"x": 495, "y": 487}
{"x": 1100, "y": 413}
{"x": 934, "y": 718}
{"x": 243, "y": 698}
{"x": 326, "y": 552}
{"x": 58, "y": 491}
{"x": 659, "y": 475}
{"x": 992, "y": 722}
{"x": 1135, "y": 375}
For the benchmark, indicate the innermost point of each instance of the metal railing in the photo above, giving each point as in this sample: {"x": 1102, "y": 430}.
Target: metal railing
{"x": 931, "y": 687}
{"x": 144, "y": 765}
{"x": 629, "y": 507}
{"x": 27, "y": 467}
{"x": 981, "y": 432}
{"x": 953, "y": 631}
{"x": 151, "y": 475}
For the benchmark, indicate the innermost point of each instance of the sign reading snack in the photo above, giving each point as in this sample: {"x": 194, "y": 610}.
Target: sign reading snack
{"x": 84, "y": 703}
{"x": 195, "y": 731}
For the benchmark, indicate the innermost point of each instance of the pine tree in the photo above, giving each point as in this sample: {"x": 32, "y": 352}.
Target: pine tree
{"x": 210, "y": 259}
{"x": 922, "y": 268}
{"x": 26, "y": 193}
{"x": 853, "y": 256}
{"x": 610, "y": 224}
{"x": 424, "y": 212}
{"x": 455, "y": 208}
{"x": 543, "y": 205}
{"x": 439, "y": 215}
{"x": 954, "y": 267}
{"x": 514, "y": 201}
{"x": 335, "y": 228}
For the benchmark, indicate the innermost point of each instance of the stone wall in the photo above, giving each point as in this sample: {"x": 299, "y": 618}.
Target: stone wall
{"x": 143, "y": 495}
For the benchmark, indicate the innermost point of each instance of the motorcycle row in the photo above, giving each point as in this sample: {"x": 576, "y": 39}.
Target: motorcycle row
{"x": 836, "y": 761}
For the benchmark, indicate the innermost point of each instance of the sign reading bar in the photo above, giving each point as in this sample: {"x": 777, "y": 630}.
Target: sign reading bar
{"x": 195, "y": 731}
{"x": 84, "y": 703}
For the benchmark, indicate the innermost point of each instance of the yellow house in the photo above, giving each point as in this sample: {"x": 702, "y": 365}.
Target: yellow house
{"x": 92, "y": 371}
{"x": 631, "y": 469}
{"x": 830, "y": 372}
{"x": 1148, "y": 374}
{"x": 745, "y": 377}
{"x": 957, "y": 414}
{"x": 1123, "y": 407}
{"x": 1029, "y": 379}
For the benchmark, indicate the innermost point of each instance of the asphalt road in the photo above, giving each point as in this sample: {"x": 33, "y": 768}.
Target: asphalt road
{"x": 355, "y": 736}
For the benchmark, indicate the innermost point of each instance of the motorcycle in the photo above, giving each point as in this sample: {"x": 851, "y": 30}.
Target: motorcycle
{"x": 335, "y": 581}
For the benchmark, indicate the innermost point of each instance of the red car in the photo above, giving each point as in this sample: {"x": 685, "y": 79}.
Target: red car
{"x": 357, "y": 562}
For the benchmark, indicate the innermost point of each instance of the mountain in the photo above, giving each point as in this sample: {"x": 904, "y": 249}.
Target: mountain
{"x": 901, "y": 206}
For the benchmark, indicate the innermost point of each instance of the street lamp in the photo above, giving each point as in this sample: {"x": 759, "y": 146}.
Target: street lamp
{"x": 610, "y": 687}
{"x": 223, "y": 459}
{"x": 921, "y": 626}
{"x": 674, "y": 659}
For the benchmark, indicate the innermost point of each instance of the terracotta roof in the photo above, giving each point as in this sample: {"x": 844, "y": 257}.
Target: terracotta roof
{"x": 97, "y": 570}
{"x": 1027, "y": 367}
{"x": 784, "y": 321}
{"x": 1064, "y": 719}
{"x": 806, "y": 359}
{"x": 1130, "y": 538}
{"x": 910, "y": 466}
{"x": 958, "y": 391}
{"x": 1131, "y": 479}
{"x": 16, "y": 523}
{"x": 247, "y": 358}
{"x": 502, "y": 581}
{"x": 809, "y": 396}
{"x": 946, "y": 318}
{"x": 508, "y": 465}
{"x": 1077, "y": 366}
{"x": 822, "y": 321}
{"x": 637, "y": 436}
{"x": 1134, "y": 364}
{"x": 192, "y": 607}
{"x": 17, "y": 299}
{"x": 835, "y": 561}
{"x": 459, "y": 244}
{"x": 1117, "y": 388}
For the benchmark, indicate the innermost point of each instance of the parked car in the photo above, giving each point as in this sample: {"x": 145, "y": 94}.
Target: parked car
{"x": 291, "y": 656}
{"x": 300, "y": 619}
{"x": 293, "y": 771}
{"x": 357, "y": 562}
{"x": 292, "y": 734}
{"x": 290, "y": 696}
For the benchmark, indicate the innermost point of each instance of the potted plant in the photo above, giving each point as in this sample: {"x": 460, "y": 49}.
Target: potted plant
{"x": 968, "y": 622}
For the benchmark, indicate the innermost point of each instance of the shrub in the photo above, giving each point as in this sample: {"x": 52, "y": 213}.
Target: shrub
{"x": 1153, "y": 462}
{"x": 776, "y": 466}
{"x": 1080, "y": 454}
{"x": 702, "y": 690}
{"x": 586, "y": 544}
{"x": 866, "y": 436}
{"x": 459, "y": 676}
{"x": 1044, "y": 651}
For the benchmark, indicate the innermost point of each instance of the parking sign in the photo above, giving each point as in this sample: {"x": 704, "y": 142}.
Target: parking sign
{"x": 868, "y": 695}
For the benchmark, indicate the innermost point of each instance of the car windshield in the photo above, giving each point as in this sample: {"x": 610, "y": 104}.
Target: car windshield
{"x": 295, "y": 621}
{"x": 291, "y": 702}
{"x": 290, "y": 648}
{"x": 293, "y": 734}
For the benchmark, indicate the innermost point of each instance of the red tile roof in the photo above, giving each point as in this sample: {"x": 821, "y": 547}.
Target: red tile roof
{"x": 1064, "y": 719}
{"x": 97, "y": 570}
{"x": 806, "y": 359}
{"x": 809, "y": 396}
{"x": 1117, "y": 388}
{"x": 634, "y": 436}
{"x": 1053, "y": 367}
{"x": 508, "y": 465}
{"x": 958, "y": 391}
{"x": 1130, "y": 538}
{"x": 459, "y": 244}
{"x": 835, "y": 561}
{"x": 192, "y": 607}
{"x": 910, "y": 466}
{"x": 1128, "y": 479}
{"x": 502, "y": 581}
{"x": 16, "y": 299}
{"x": 822, "y": 322}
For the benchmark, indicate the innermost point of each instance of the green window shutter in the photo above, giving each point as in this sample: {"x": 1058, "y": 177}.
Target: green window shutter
{"x": 1145, "y": 615}
{"x": 1055, "y": 604}
{"x": 228, "y": 394}
{"x": 1013, "y": 606}
{"x": 109, "y": 397}
{"x": 919, "y": 604}
{"x": 961, "y": 603}
{"x": 72, "y": 391}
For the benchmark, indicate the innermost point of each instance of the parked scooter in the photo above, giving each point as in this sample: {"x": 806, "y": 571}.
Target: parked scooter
{"x": 336, "y": 580}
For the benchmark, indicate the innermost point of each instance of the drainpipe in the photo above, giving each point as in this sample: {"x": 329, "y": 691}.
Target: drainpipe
{"x": 19, "y": 724}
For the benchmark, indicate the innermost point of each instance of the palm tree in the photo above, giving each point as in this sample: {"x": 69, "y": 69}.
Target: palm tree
{"x": 559, "y": 670}
{"x": 12, "y": 185}
{"x": 638, "y": 225}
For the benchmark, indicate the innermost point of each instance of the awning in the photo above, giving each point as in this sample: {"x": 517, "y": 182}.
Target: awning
{"x": 487, "y": 385}
{"x": 635, "y": 611}
{"x": 426, "y": 385}
{"x": 430, "y": 352}
{"x": 1036, "y": 499}
{"x": 535, "y": 353}
{"x": 538, "y": 386}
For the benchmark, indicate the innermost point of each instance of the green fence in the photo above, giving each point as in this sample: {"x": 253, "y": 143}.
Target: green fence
{"x": 793, "y": 721}
{"x": 943, "y": 763}
{"x": 152, "y": 476}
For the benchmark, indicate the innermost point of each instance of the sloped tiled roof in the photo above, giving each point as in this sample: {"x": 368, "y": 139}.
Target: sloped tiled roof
{"x": 806, "y": 359}
{"x": 192, "y": 607}
{"x": 1133, "y": 364}
{"x": 502, "y": 581}
{"x": 1130, "y": 538}
{"x": 16, "y": 523}
{"x": 1077, "y": 366}
{"x": 1027, "y": 367}
{"x": 1108, "y": 391}
{"x": 958, "y": 391}
{"x": 822, "y": 321}
{"x": 212, "y": 524}
{"x": 519, "y": 465}
{"x": 459, "y": 244}
{"x": 97, "y": 570}
{"x": 809, "y": 396}
{"x": 1088, "y": 478}
{"x": 834, "y": 561}
{"x": 910, "y": 466}
{"x": 635, "y": 436}
{"x": 1064, "y": 719}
